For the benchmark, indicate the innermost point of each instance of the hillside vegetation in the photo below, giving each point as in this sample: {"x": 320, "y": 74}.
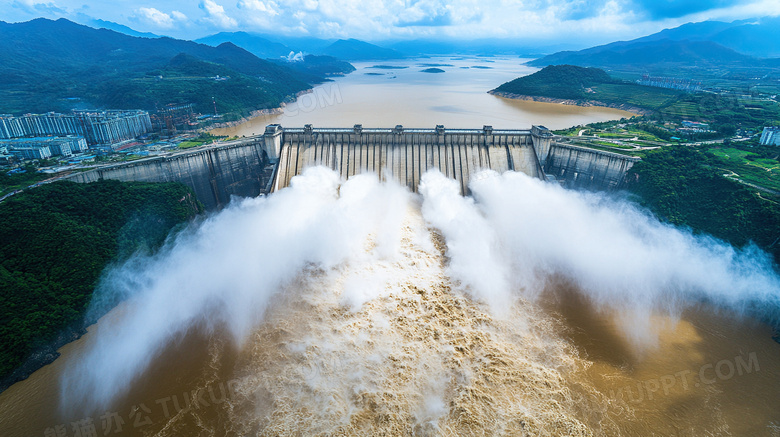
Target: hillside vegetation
{"x": 356, "y": 50}
{"x": 571, "y": 82}
{"x": 55, "y": 241}
{"x": 725, "y": 113}
{"x": 57, "y": 65}
{"x": 323, "y": 66}
{"x": 655, "y": 55}
{"x": 685, "y": 186}
{"x": 557, "y": 81}
{"x": 186, "y": 79}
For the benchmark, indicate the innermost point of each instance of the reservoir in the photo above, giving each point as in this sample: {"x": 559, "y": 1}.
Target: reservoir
{"x": 385, "y": 94}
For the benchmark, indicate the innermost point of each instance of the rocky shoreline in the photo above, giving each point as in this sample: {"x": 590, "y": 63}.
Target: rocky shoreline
{"x": 585, "y": 103}
{"x": 41, "y": 357}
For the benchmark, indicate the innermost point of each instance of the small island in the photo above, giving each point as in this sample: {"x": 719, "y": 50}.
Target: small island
{"x": 432, "y": 70}
{"x": 388, "y": 67}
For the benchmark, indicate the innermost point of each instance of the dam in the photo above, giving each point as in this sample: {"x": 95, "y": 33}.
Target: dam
{"x": 265, "y": 163}
{"x": 405, "y": 154}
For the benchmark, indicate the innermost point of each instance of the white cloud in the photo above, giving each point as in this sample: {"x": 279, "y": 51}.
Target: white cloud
{"x": 38, "y": 8}
{"x": 269, "y": 8}
{"x": 215, "y": 14}
{"x": 160, "y": 19}
{"x": 531, "y": 21}
{"x": 178, "y": 16}
{"x": 259, "y": 13}
{"x": 155, "y": 17}
{"x": 310, "y": 5}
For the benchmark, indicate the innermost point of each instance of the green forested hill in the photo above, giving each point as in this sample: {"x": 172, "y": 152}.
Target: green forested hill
{"x": 55, "y": 65}
{"x": 571, "y": 82}
{"x": 186, "y": 79}
{"x": 356, "y": 50}
{"x": 55, "y": 240}
{"x": 685, "y": 186}
{"x": 319, "y": 65}
{"x": 557, "y": 81}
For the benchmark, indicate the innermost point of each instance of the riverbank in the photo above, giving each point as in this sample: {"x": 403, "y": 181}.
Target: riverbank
{"x": 260, "y": 112}
{"x": 54, "y": 253}
{"x": 43, "y": 356}
{"x": 252, "y": 115}
{"x": 582, "y": 103}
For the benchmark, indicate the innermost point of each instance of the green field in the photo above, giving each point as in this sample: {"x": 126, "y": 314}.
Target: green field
{"x": 613, "y": 145}
{"x": 685, "y": 110}
{"x": 203, "y": 138}
{"x": 750, "y": 167}
{"x": 644, "y": 136}
{"x": 190, "y": 144}
{"x": 634, "y": 94}
{"x": 619, "y": 136}
{"x": 610, "y": 148}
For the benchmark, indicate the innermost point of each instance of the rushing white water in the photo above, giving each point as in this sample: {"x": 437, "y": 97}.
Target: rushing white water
{"x": 366, "y": 308}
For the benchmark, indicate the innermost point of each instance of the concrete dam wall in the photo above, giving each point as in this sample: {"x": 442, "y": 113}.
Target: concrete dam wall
{"x": 216, "y": 173}
{"x": 580, "y": 167}
{"x": 264, "y": 163}
{"x": 405, "y": 154}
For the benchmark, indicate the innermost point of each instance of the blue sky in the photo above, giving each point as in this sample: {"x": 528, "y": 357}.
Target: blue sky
{"x": 532, "y": 21}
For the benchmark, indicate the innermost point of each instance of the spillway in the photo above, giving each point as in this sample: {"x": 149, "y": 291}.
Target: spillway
{"x": 405, "y": 154}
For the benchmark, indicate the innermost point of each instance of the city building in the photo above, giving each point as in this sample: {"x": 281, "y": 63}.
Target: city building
{"x": 113, "y": 127}
{"x": 32, "y": 152}
{"x": 56, "y": 146}
{"x": 10, "y": 127}
{"x": 174, "y": 117}
{"x": 98, "y": 127}
{"x": 691, "y": 86}
{"x": 695, "y": 124}
{"x": 770, "y": 136}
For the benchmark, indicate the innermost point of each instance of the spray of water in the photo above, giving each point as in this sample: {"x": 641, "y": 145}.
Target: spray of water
{"x": 620, "y": 256}
{"x": 408, "y": 312}
{"x": 224, "y": 272}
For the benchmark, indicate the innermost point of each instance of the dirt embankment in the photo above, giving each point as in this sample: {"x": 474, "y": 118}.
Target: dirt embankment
{"x": 582, "y": 102}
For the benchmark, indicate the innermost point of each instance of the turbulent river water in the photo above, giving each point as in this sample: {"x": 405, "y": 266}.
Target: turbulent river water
{"x": 358, "y": 308}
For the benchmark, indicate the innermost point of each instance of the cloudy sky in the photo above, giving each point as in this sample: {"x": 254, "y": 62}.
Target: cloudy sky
{"x": 534, "y": 21}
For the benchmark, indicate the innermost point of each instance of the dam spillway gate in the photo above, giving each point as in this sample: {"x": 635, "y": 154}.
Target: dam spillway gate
{"x": 406, "y": 154}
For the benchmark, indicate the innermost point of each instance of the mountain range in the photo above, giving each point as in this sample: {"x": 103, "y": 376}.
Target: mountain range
{"x": 266, "y": 46}
{"x": 758, "y": 37}
{"x": 708, "y": 44}
{"x": 116, "y": 27}
{"x": 46, "y": 65}
{"x": 257, "y": 45}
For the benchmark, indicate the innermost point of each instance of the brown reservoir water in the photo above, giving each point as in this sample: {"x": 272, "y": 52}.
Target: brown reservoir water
{"x": 457, "y": 98}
